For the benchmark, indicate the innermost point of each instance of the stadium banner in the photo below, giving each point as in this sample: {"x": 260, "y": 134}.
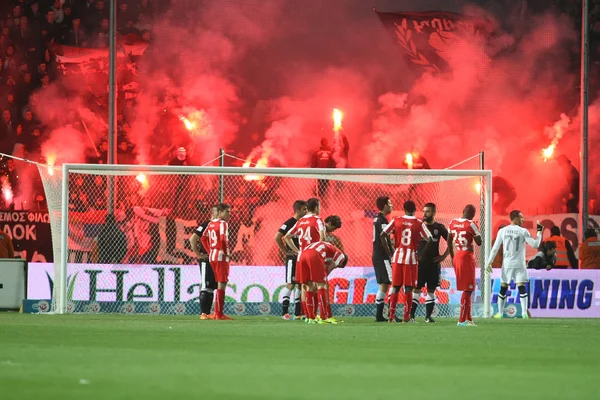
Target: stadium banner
{"x": 426, "y": 36}
{"x": 30, "y": 233}
{"x": 156, "y": 238}
{"x": 556, "y": 293}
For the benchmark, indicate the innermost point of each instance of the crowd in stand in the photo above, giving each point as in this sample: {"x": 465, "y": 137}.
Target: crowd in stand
{"x": 32, "y": 32}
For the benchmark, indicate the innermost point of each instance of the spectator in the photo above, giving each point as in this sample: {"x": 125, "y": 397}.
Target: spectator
{"x": 76, "y": 36}
{"x": 146, "y": 7}
{"x": 545, "y": 258}
{"x": 35, "y": 14}
{"x": 505, "y": 194}
{"x": 589, "y": 250}
{"x": 565, "y": 256}
{"x": 52, "y": 28}
{"x": 323, "y": 158}
{"x": 112, "y": 243}
{"x": 58, "y": 12}
{"x": 571, "y": 175}
{"x": 180, "y": 157}
{"x": 6, "y": 246}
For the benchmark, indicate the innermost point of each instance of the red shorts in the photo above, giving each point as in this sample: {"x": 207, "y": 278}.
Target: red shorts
{"x": 311, "y": 267}
{"x": 464, "y": 267}
{"x": 221, "y": 270}
{"x": 405, "y": 275}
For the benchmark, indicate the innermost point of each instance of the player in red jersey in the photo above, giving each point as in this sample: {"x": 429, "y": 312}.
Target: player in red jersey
{"x": 309, "y": 229}
{"x": 408, "y": 231}
{"x": 315, "y": 262}
{"x": 215, "y": 241}
{"x": 463, "y": 232}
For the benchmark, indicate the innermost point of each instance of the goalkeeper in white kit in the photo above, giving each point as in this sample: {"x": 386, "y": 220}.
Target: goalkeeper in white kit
{"x": 514, "y": 268}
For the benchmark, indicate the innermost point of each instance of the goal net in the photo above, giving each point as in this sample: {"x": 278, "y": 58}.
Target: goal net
{"x": 144, "y": 262}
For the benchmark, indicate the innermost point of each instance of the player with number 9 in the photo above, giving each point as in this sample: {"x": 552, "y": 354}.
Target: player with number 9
{"x": 215, "y": 240}
{"x": 463, "y": 232}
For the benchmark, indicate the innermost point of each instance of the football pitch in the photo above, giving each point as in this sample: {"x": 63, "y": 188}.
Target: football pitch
{"x": 138, "y": 357}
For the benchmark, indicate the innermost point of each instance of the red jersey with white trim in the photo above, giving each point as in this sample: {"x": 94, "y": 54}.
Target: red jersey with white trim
{"x": 327, "y": 251}
{"x": 408, "y": 230}
{"x": 463, "y": 231}
{"x": 307, "y": 229}
{"x": 217, "y": 233}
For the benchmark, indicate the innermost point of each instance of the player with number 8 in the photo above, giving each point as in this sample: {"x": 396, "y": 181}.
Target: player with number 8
{"x": 409, "y": 230}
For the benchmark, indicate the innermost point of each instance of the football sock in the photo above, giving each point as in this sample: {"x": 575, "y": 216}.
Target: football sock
{"x": 463, "y": 307}
{"x": 206, "y": 300}
{"x": 524, "y": 299}
{"x": 285, "y": 295}
{"x": 379, "y": 303}
{"x": 415, "y": 304}
{"x": 502, "y": 299}
{"x": 297, "y": 303}
{"x": 315, "y": 304}
{"x": 468, "y": 300}
{"x": 218, "y": 310}
{"x": 393, "y": 304}
{"x": 408, "y": 297}
{"x": 307, "y": 305}
{"x": 310, "y": 309}
{"x": 429, "y": 304}
{"x": 221, "y": 300}
{"x": 322, "y": 295}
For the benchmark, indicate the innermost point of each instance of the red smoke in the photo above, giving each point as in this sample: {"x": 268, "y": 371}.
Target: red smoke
{"x": 264, "y": 76}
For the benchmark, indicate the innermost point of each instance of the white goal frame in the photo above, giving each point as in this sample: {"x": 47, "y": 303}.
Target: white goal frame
{"x": 486, "y": 199}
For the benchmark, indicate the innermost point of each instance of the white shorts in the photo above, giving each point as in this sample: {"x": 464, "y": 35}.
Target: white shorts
{"x": 516, "y": 275}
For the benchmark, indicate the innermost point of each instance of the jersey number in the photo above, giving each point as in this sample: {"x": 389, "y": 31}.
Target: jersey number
{"x": 213, "y": 238}
{"x": 405, "y": 238}
{"x": 459, "y": 239}
{"x": 514, "y": 242}
{"x": 304, "y": 235}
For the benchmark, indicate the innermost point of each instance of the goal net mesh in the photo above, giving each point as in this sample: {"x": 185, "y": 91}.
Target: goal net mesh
{"x": 146, "y": 265}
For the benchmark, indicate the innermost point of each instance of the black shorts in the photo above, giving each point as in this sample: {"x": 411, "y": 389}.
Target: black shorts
{"x": 383, "y": 271}
{"x": 290, "y": 269}
{"x": 429, "y": 275}
{"x": 208, "y": 276}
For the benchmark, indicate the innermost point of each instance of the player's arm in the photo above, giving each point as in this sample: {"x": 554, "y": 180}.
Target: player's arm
{"x": 288, "y": 239}
{"x": 337, "y": 243}
{"x": 495, "y": 249}
{"x": 384, "y": 237}
{"x": 194, "y": 242}
{"x": 279, "y": 238}
{"x": 428, "y": 237}
{"x": 224, "y": 236}
{"x": 535, "y": 243}
{"x": 205, "y": 241}
{"x": 446, "y": 235}
{"x": 322, "y": 231}
{"x": 476, "y": 234}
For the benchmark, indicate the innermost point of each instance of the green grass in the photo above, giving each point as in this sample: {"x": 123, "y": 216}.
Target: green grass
{"x": 89, "y": 357}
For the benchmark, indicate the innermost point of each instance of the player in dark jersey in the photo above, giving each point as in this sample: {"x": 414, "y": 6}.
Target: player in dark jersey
{"x": 290, "y": 263}
{"x": 429, "y": 263}
{"x": 209, "y": 283}
{"x": 380, "y": 258}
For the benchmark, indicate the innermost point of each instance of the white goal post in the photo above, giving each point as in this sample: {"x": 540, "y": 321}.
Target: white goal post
{"x": 265, "y": 195}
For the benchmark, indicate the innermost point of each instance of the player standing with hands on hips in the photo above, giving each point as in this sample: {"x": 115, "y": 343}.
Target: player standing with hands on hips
{"x": 215, "y": 240}
{"x": 514, "y": 268}
{"x": 463, "y": 232}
